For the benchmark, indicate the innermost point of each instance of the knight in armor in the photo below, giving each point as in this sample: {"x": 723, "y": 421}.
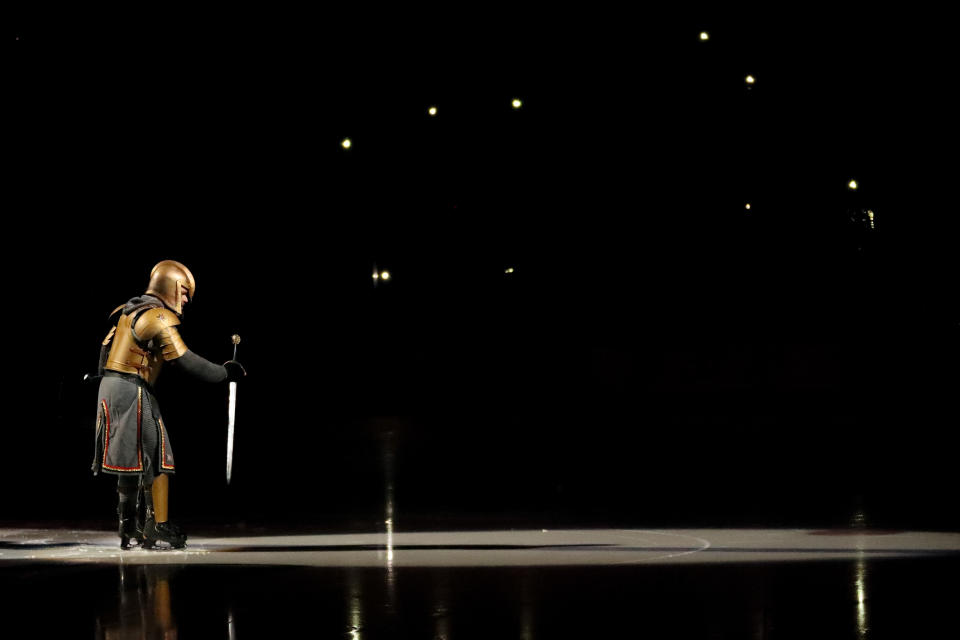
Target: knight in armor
{"x": 131, "y": 437}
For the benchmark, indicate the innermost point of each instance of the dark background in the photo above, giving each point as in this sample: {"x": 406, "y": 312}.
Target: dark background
{"x": 660, "y": 355}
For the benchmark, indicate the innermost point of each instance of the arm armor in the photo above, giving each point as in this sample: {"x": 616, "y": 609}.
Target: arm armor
{"x": 160, "y": 325}
{"x": 200, "y": 368}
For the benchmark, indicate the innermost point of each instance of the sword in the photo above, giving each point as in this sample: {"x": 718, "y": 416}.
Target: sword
{"x": 231, "y": 413}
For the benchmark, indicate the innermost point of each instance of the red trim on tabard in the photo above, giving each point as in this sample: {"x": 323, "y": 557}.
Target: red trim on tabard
{"x": 106, "y": 445}
{"x": 163, "y": 448}
{"x": 139, "y": 423}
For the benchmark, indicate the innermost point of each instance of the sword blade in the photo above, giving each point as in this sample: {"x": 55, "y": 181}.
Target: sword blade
{"x": 231, "y": 420}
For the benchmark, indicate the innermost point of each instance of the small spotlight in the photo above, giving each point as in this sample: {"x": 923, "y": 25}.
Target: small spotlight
{"x": 517, "y": 103}
{"x": 852, "y": 185}
{"x": 751, "y": 79}
{"x": 748, "y": 206}
{"x": 509, "y": 270}
{"x": 432, "y": 111}
{"x": 346, "y": 144}
{"x": 376, "y": 276}
{"x": 385, "y": 275}
{"x": 704, "y": 35}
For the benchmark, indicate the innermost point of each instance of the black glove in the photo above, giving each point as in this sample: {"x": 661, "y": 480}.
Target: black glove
{"x": 235, "y": 370}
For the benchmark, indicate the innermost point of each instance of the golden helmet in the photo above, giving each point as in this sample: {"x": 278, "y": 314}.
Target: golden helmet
{"x": 168, "y": 279}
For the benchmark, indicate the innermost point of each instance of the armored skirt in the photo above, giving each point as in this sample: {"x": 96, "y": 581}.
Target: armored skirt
{"x": 130, "y": 435}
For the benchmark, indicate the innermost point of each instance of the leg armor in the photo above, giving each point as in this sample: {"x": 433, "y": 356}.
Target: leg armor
{"x": 128, "y": 504}
{"x": 160, "y": 534}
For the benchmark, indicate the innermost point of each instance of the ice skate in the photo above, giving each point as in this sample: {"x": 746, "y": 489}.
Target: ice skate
{"x": 161, "y": 535}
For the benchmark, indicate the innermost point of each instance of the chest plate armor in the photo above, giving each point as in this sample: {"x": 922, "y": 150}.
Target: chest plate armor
{"x": 143, "y": 341}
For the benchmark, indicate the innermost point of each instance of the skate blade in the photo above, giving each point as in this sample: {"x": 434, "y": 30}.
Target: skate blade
{"x": 154, "y": 545}
{"x": 129, "y": 543}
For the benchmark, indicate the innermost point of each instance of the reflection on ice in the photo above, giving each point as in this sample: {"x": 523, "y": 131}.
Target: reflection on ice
{"x": 675, "y": 597}
{"x": 143, "y": 605}
{"x": 441, "y": 607}
{"x": 527, "y": 609}
{"x": 354, "y": 605}
{"x": 861, "y": 592}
